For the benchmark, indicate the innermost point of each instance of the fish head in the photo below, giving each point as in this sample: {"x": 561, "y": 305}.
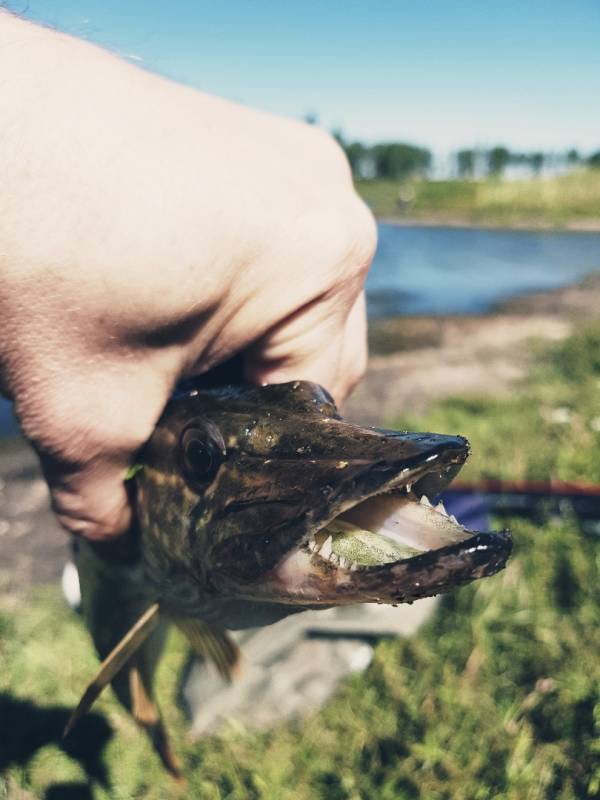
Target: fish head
{"x": 267, "y": 494}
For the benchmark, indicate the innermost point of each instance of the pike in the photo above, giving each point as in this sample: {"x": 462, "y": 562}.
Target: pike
{"x": 254, "y": 503}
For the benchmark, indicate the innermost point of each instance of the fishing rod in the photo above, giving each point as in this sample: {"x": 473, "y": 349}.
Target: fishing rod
{"x": 527, "y": 497}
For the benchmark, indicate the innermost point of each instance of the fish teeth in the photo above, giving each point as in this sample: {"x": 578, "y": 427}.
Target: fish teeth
{"x": 326, "y": 548}
{"x": 454, "y": 520}
{"x": 440, "y": 508}
{"x": 425, "y": 501}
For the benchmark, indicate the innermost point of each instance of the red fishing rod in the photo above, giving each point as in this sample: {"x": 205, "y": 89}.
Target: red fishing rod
{"x": 473, "y": 500}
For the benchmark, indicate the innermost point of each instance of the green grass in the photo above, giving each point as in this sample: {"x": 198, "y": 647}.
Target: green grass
{"x": 550, "y": 202}
{"x": 549, "y": 428}
{"x": 498, "y": 696}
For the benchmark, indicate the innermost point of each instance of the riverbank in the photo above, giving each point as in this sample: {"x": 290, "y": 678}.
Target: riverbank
{"x": 416, "y": 361}
{"x": 564, "y": 202}
{"x": 534, "y": 226}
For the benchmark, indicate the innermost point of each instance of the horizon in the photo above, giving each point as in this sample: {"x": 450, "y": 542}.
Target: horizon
{"x": 442, "y": 76}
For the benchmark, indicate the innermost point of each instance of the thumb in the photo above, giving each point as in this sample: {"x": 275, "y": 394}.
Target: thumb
{"x": 324, "y": 343}
{"x": 300, "y": 348}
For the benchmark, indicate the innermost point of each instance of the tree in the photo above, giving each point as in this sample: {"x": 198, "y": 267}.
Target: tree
{"x": 594, "y": 160}
{"x": 465, "y": 162}
{"x": 358, "y": 156}
{"x": 497, "y": 158}
{"x": 338, "y": 135}
{"x": 573, "y": 156}
{"x": 397, "y": 161}
{"x": 536, "y": 160}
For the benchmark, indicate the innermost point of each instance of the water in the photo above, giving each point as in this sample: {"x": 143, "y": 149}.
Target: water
{"x": 420, "y": 270}
{"x": 8, "y": 426}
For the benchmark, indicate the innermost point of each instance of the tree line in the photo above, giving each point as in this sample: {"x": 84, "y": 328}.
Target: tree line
{"x": 495, "y": 160}
{"x": 391, "y": 160}
{"x": 401, "y": 160}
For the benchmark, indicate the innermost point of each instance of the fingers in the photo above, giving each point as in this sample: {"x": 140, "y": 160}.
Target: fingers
{"x": 320, "y": 343}
{"x": 86, "y": 430}
{"x": 92, "y": 500}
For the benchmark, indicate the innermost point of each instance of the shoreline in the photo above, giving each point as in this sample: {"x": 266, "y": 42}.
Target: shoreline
{"x": 402, "y": 333}
{"x": 416, "y": 361}
{"x": 527, "y": 226}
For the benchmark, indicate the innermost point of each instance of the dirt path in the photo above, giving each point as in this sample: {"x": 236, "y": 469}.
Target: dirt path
{"x": 33, "y": 546}
{"x": 479, "y": 355}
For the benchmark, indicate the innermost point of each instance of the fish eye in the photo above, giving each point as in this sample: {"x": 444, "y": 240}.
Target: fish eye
{"x": 202, "y": 450}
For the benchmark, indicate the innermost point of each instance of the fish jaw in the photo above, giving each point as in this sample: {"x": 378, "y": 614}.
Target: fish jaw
{"x": 385, "y": 542}
{"x": 299, "y": 579}
{"x": 255, "y": 528}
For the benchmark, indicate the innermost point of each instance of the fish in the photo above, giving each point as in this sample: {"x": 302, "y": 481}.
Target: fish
{"x": 254, "y": 503}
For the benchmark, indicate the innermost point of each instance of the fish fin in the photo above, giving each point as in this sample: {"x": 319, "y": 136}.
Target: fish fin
{"x": 218, "y": 646}
{"x": 114, "y": 662}
{"x": 147, "y": 715}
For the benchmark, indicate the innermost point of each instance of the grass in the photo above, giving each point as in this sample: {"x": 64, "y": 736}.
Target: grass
{"x": 571, "y": 199}
{"x": 550, "y": 428}
{"x": 498, "y": 696}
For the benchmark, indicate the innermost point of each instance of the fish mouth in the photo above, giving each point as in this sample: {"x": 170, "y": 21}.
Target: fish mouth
{"x": 392, "y": 545}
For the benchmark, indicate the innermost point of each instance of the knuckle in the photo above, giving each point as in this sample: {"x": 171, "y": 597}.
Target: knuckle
{"x": 355, "y": 234}
{"x": 74, "y": 516}
{"x": 76, "y": 425}
{"x": 55, "y": 427}
{"x": 365, "y": 234}
{"x": 327, "y": 151}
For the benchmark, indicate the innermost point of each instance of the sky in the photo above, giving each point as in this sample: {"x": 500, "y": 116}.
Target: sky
{"x": 444, "y": 74}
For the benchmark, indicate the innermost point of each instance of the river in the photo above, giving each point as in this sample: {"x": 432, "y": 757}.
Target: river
{"x": 440, "y": 270}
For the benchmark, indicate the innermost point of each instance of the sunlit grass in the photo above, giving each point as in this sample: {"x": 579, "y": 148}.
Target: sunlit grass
{"x": 551, "y": 202}
{"x": 498, "y": 696}
{"x": 548, "y": 428}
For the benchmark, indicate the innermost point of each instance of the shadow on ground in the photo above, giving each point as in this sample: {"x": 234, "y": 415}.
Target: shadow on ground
{"x": 26, "y": 727}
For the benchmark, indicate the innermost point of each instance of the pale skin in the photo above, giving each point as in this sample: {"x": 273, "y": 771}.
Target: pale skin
{"x": 148, "y": 232}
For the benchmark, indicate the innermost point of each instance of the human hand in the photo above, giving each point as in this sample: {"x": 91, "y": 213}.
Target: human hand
{"x": 147, "y": 233}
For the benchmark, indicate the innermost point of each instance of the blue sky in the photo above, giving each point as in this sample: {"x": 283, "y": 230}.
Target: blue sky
{"x": 442, "y": 73}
